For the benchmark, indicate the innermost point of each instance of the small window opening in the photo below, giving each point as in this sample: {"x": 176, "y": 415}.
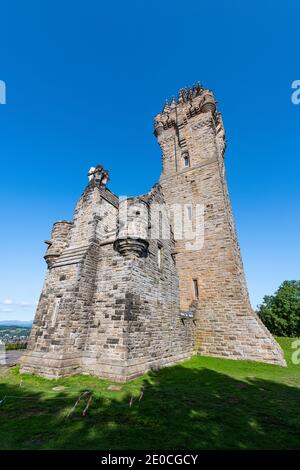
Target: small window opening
{"x": 186, "y": 161}
{"x": 160, "y": 224}
{"x": 190, "y": 212}
{"x": 159, "y": 257}
{"x": 196, "y": 288}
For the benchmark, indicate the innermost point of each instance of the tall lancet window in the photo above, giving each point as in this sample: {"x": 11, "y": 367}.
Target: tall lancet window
{"x": 159, "y": 256}
{"x": 195, "y": 289}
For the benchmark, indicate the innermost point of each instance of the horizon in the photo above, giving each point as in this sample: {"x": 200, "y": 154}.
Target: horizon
{"x": 83, "y": 87}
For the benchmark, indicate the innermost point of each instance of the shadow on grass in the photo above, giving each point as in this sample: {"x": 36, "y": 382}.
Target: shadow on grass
{"x": 181, "y": 408}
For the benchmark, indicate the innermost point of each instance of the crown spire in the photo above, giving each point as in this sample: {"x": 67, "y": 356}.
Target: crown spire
{"x": 166, "y": 107}
{"x": 173, "y": 103}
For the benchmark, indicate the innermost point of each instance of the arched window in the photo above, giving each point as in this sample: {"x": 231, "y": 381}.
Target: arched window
{"x": 186, "y": 160}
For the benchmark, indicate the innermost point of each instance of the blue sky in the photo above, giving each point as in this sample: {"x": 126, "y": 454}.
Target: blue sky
{"x": 84, "y": 81}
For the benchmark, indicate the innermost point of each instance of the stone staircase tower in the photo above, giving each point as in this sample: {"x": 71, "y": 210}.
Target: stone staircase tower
{"x": 191, "y": 135}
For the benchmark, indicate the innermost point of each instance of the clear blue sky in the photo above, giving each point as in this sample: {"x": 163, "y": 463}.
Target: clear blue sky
{"x": 84, "y": 81}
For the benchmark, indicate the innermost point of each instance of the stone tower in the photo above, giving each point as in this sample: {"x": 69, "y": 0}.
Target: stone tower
{"x": 148, "y": 281}
{"x": 191, "y": 135}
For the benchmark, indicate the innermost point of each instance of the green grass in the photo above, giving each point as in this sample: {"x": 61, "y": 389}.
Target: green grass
{"x": 204, "y": 403}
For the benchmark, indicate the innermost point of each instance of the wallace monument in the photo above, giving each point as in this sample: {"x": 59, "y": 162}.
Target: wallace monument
{"x": 144, "y": 282}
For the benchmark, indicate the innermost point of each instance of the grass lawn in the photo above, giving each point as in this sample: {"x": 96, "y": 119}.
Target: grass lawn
{"x": 204, "y": 403}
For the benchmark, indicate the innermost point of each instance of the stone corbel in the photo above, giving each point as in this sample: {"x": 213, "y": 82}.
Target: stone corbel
{"x": 132, "y": 247}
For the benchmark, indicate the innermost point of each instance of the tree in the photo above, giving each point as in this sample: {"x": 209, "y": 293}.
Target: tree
{"x": 281, "y": 312}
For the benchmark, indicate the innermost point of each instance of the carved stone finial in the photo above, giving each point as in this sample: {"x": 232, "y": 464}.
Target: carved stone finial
{"x": 173, "y": 103}
{"x": 194, "y": 91}
{"x": 98, "y": 176}
{"x": 180, "y": 96}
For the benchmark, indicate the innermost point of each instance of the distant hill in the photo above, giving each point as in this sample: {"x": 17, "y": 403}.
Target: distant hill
{"x": 23, "y": 324}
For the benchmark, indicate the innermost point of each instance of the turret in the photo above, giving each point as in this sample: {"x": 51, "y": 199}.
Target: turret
{"x": 59, "y": 240}
{"x": 132, "y": 233}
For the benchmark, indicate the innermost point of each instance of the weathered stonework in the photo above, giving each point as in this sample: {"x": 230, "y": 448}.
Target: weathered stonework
{"x": 121, "y": 295}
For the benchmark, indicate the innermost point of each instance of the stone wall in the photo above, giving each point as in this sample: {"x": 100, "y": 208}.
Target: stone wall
{"x": 136, "y": 323}
{"x": 108, "y": 306}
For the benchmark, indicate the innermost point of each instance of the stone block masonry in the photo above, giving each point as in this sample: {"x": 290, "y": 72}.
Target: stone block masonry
{"x": 108, "y": 307}
{"x": 122, "y": 294}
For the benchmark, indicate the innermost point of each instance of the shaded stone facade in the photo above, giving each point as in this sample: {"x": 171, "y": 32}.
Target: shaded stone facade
{"x": 127, "y": 287}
